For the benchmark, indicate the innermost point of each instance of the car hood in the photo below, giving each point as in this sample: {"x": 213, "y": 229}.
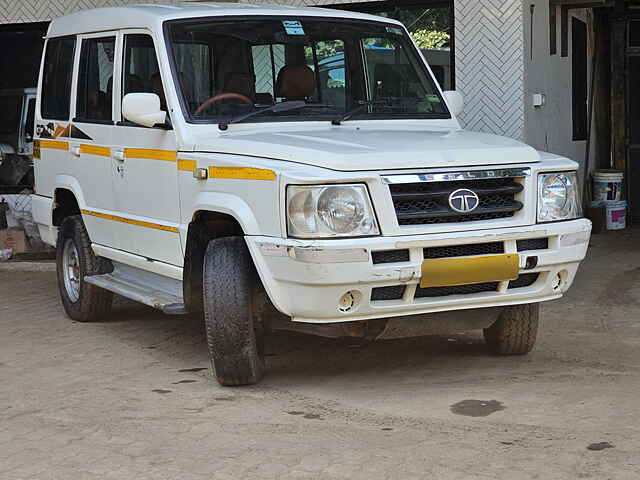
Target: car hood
{"x": 352, "y": 148}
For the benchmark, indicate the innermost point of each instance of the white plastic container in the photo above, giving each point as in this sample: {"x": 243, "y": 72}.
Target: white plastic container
{"x": 607, "y": 185}
{"x": 616, "y": 215}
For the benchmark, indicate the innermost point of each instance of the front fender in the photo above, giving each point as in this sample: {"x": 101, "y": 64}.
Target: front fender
{"x": 228, "y": 204}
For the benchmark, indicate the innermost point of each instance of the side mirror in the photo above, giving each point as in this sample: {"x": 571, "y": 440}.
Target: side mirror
{"x": 143, "y": 109}
{"x": 455, "y": 101}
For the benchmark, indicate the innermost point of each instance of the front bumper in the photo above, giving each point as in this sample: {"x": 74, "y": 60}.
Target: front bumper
{"x": 328, "y": 281}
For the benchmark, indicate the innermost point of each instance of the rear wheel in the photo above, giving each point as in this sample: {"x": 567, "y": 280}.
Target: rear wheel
{"x": 75, "y": 260}
{"x": 234, "y": 333}
{"x": 515, "y": 331}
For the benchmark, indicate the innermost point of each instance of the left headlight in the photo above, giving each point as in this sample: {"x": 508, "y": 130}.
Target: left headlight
{"x": 315, "y": 211}
{"x": 558, "y": 197}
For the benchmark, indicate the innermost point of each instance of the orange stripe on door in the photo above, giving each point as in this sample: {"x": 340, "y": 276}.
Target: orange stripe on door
{"x": 54, "y": 144}
{"x": 187, "y": 165}
{"x": 151, "y": 154}
{"x": 130, "y": 221}
{"x": 95, "y": 150}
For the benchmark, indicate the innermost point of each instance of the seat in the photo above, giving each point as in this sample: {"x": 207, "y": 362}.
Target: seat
{"x": 295, "y": 82}
{"x": 241, "y": 83}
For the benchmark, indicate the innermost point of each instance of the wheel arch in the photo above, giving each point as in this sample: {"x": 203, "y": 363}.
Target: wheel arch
{"x": 67, "y": 199}
{"x": 205, "y": 225}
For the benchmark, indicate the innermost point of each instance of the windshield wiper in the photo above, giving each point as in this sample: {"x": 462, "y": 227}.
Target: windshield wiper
{"x": 362, "y": 104}
{"x": 389, "y": 102}
{"x": 275, "y": 108}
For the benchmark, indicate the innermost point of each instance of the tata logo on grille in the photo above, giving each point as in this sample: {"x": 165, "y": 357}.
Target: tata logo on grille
{"x": 464, "y": 201}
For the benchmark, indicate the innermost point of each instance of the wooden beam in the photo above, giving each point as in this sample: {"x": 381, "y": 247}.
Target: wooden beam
{"x": 618, "y": 92}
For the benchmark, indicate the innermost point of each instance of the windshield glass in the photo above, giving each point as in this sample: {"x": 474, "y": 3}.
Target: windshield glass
{"x": 226, "y": 69}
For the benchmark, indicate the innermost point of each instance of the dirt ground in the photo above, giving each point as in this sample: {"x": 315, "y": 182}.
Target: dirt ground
{"x": 132, "y": 397}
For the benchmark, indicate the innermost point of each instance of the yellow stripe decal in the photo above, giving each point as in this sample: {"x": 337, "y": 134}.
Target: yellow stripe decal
{"x": 242, "y": 173}
{"x": 54, "y": 144}
{"x": 164, "y": 155}
{"x": 129, "y": 221}
{"x": 95, "y": 150}
{"x": 187, "y": 165}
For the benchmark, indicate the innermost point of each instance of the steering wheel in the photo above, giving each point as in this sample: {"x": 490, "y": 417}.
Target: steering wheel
{"x": 219, "y": 98}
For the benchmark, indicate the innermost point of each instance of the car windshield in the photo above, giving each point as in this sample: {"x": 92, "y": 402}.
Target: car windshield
{"x": 226, "y": 69}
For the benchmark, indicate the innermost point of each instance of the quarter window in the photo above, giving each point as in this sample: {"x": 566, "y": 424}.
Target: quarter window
{"x": 56, "y": 80}
{"x": 95, "y": 79}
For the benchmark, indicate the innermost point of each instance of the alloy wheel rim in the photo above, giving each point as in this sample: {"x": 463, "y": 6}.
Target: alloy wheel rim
{"x": 71, "y": 270}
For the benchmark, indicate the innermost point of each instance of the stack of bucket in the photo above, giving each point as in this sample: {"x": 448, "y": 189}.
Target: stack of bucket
{"x": 607, "y": 195}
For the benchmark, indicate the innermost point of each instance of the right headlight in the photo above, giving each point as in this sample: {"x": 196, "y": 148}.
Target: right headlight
{"x": 316, "y": 211}
{"x": 558, "y": 197}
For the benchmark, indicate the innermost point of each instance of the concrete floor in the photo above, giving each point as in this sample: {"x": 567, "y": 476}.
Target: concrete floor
{"x": 132, "y": 398}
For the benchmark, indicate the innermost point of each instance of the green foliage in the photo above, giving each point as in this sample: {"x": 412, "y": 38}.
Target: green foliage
{"x": 430, "y": 39}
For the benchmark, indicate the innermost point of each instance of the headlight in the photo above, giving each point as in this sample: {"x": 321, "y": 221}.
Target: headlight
{"x": 330, "y": 211}
{"x": 558, "y": 197}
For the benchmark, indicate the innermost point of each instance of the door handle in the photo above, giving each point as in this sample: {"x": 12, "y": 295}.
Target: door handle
{"x": 119, "y": 155}
{"x": 75, "y": 150}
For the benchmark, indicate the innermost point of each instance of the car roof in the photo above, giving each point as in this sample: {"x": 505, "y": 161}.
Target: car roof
{"x": 151, "y": 16}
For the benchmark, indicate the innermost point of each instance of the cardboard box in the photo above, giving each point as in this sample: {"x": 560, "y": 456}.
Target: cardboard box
{"x": 15, "y": 239}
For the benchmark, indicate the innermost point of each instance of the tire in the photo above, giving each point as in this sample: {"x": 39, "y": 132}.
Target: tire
{"x": 82, "y": 301}
{"x": 515, "y": 331}
{"x": 234, "y": 333}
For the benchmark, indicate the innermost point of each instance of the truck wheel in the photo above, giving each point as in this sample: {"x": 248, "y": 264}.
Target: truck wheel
{"x": 515, "y": 331}
{"x": 234, "y": 335}
{"x": 83, "y": 302}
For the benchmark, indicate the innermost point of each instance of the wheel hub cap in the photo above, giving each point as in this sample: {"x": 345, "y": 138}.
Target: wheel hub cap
{"x": 71, "y": 270}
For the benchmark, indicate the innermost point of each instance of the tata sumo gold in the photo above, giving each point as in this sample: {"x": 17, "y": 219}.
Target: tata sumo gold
{"x": 281, "y": 168}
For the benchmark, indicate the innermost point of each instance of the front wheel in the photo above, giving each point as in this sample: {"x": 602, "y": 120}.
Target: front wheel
{"x": 515, "y": 331}
{"x": 234, "y": 336}
{"x": 75, "y": 260}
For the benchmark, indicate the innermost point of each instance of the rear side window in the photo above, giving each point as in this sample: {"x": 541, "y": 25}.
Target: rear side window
{"x": 56, "y": 81}
{"x": 95, "y": 80}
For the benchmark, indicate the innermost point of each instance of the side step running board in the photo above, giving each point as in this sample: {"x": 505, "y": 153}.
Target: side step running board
{"x": 143, "y": 287}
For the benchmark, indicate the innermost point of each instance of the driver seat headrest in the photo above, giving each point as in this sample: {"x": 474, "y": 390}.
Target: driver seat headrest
{"x": 295, "y": 82}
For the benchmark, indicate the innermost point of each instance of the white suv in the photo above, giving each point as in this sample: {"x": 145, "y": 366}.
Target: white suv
{"x": 278, "y": 167}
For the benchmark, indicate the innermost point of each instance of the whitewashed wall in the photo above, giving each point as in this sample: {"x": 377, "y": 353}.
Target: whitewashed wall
{"x": 490, "y": 65}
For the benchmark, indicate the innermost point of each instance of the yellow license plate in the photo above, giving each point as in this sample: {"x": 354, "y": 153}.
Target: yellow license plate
{"x": 449, "y": 272}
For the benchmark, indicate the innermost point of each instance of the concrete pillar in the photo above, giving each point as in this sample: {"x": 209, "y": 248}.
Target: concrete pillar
{"x": 489, "y": 56}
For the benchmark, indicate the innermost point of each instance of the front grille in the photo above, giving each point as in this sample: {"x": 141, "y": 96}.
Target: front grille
{"x": 464, "y": 250}
{"x": 388, "y": 293}
{"x": 456, "y": 290}
{"x": 533, "y": 244}
{"x": 427, "y": 203}
{"x": 390, "y": 256}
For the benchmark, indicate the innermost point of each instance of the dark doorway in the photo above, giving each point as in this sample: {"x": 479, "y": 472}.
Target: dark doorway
{"x": 21, "y": 52}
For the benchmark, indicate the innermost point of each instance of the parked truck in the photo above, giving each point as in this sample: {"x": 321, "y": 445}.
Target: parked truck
{"x": 17, "y": 107}
{"x": 277, "y": 167}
